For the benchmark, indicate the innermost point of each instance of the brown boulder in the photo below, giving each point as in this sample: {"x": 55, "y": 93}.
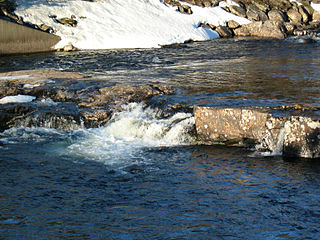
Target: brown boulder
{"x": 276, "y": 15}
{"x": 294, "y": 16}
{"x": 224, "y": 31}
{"x": 267, "y": 29}
{"x": 232, "y": 24}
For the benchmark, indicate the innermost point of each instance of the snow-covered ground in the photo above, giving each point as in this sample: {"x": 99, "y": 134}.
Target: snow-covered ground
{"x": 124, "y": 23}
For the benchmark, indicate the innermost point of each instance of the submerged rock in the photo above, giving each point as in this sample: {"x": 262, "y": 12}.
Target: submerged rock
{"x": 66, "y": 100}
{"x": 294, "y": 135}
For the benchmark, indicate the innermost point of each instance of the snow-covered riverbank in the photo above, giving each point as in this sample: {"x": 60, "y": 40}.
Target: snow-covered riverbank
{"x": 124, "y": 23}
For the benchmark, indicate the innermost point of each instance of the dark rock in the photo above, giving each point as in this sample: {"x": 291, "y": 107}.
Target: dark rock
{"x": 237, "y": 10}
{"x": 12, "y": 16}
{"x": 309, "y": 9}
{"x": 207, "y": 25}
{"x": 67, "y": 21}
{"x": 255, "y": 14}
{"x": 77, "y": 103}
{"x": 282, "y": 5}
{"x": 185, "y": 9}
{"x": 306, "y": 17}
{"x": 224, "y": 31}
{"x": 46, "y": 28}
{"x": 8, "y": 5}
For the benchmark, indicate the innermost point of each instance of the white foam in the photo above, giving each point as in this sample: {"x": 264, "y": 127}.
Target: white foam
{"x": 124, "y": 23}
{"x": 17, "y": 99}
{"x": 131, "y": 130}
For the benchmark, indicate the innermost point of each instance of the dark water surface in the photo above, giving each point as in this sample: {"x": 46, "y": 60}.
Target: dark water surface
{"x": 90, "y": 184}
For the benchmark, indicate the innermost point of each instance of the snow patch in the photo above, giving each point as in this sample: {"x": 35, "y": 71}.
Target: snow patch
{"x": 17, "y": 99}
{"x": 316, "y": 6}
{"x": 124, "y": 23}
{"x": 15, "y": 77}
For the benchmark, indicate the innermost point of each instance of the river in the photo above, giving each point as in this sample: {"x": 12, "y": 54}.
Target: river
{"x": 134, "y": 179}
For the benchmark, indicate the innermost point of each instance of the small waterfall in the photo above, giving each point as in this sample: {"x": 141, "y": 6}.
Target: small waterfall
{"x": 130, "y": 131}
{"x": 273, "y": 144}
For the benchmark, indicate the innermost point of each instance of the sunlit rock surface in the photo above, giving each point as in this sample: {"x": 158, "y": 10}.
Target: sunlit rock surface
{"x": 288, "y": 131}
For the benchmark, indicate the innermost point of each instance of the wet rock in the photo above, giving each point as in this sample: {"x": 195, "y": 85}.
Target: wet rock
{"x": 67, "y": 100}
{"x": 294, "y": 136}
{"x": 267, "y": 29}
{"x": 224, "y": 31}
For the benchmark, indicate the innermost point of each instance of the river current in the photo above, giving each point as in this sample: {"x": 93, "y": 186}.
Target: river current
{"x": 140, "y": 177}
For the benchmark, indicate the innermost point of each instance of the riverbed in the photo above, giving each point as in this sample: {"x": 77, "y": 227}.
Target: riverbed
{"x": 129, "y": 180}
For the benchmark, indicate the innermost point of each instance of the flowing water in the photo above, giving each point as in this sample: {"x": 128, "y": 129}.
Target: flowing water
{"x": 140, "y": 177}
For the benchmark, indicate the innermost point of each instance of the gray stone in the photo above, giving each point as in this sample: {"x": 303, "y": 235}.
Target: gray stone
{"x": 255, "y": 14}
{"x": 237, "y": 10}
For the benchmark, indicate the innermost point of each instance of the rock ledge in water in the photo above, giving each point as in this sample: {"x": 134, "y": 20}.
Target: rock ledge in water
{"x": 295, "y": 135}
{"x": 66, "y": 100}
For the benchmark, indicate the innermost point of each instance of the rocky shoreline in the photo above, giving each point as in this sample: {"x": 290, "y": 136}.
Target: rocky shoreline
{"x": 270, "y": 18}
{"x": 69, "y": 101}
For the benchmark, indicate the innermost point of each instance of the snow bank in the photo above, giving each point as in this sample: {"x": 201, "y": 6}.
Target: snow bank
{"x": 316, "y": 6}
{"x": 124, "y": 23}
{"x": 17, "y": 99}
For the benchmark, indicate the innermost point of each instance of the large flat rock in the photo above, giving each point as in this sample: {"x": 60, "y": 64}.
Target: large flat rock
{"x": 294, "y": 133}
